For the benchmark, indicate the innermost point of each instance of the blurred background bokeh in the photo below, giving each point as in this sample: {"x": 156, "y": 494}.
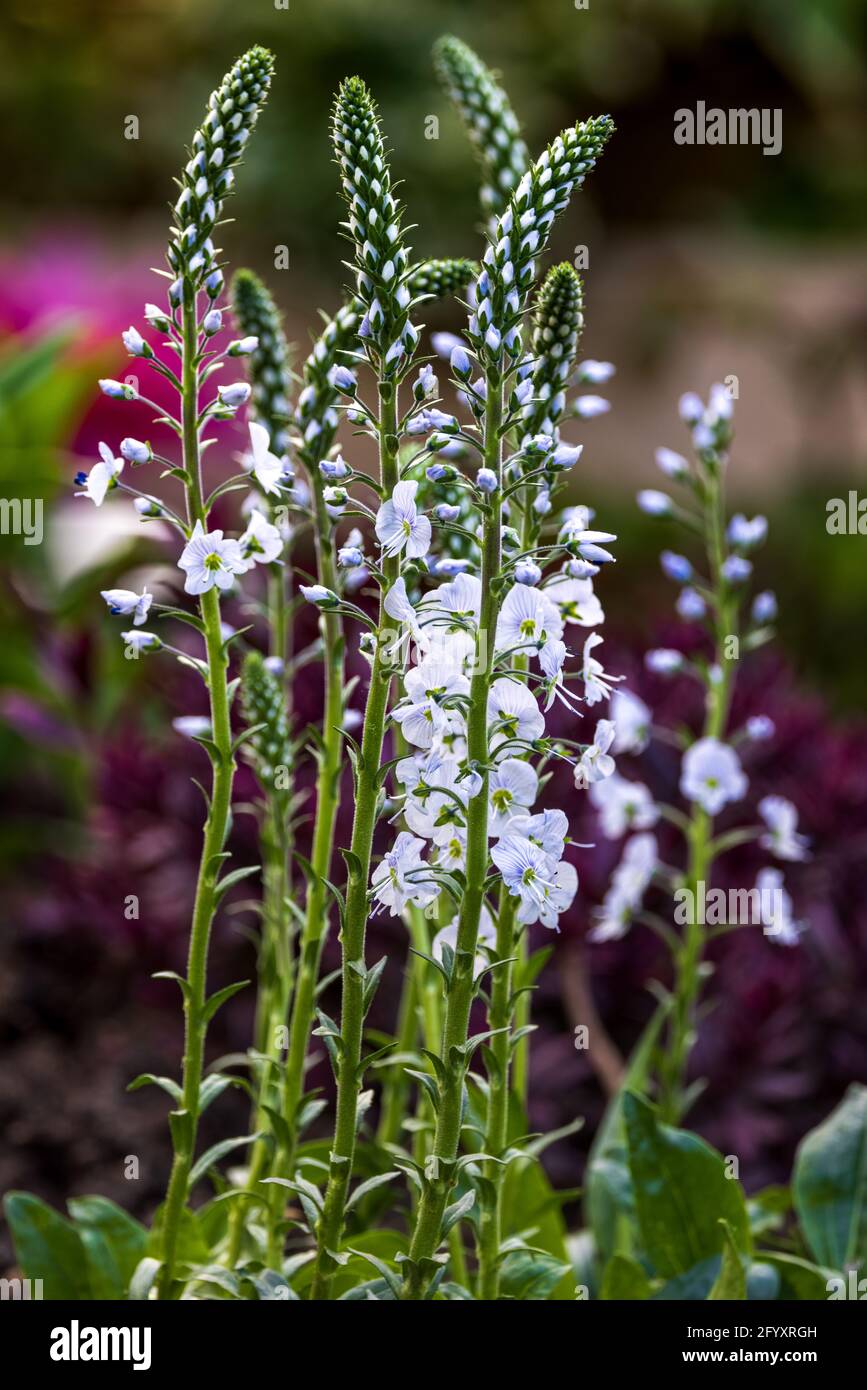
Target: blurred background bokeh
{"x": 704, "y": 262}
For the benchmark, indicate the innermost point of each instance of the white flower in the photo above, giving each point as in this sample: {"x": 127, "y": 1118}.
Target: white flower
{"x": 451, "y": 850}
{"x": 209, "y": 559}
{"x": 527, "y": 617}
{"x": 711, "y": 774}
{"x": 129, "y": 604}
{"x": 589, "y": 406}
{"x": 397, "y": 605}
{"x": 318, "y": 594}
{"x": 596, "y": 763}
{"x": 427, "y": 685}
{"x": 512, "y": 788}
{"x": 552, "y": 659}
{"x": 261, "y": 542}
{"x": 514, "y": 714}
{"x": 548, "y": 830}
{"x": 141, "y": 641}
{"x": 632, "y": 720}
{"x": 399, "y": 525}
{"x": 234, "y": 395}
{"x": 101, "y": 476}
{"x": 487, "y": 937}
{"x": 192, "y": 725}
{"x": 267, "y": 468}
{"x": 663, "y": 661}
{"x": 544, "y": 886}
{"x": 671, "y": 464}
{"x": 435, "y": 799}
{"x": 459, "y": 599}
{"x": 597, "y": 684}
{"x": 400, "y": 878}
{"x": 576, "y": 600}
{"x": 775, "y": 906}
{"x": 655, "y": 503}
{"x": 628, "y": 884}
{"x": 781, "y": 818}
{"x": 622, "y": 806}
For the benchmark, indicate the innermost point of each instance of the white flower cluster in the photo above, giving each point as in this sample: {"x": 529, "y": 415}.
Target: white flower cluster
{"x": 711, "y": 773}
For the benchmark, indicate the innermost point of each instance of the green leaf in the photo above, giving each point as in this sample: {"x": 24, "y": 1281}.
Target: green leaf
{"x": 217, "y": 1000}
{"x": 192, "y": 1247}
{"x": 609, "y": 1201}
{"x": 830, "y": 1184}
{"x": 236, "y": 876}
{"x": 114, "y": 1243}
{"x": 215, "y": 1153}
{"x": 368, "y": 1186}
{"x": 530, "y": 1204}
{"x": 532, "y": 1275}
{"x": 731, "y": 1282}
{"x": 681, "y": 1192}
{"x": 800, "y": 1280}
{"x": 166, "y": 1083}
{"x": 47, "y": 1247}
{"x": 624, "y": 1280}
{"x": 143, "y": 1279}
{"x": 457, "y": 1210}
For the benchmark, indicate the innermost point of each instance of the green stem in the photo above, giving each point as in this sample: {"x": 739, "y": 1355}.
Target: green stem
{"x": 461, "y": 989}
{"x": 184, "y": 1121}
{"x": 396, "y": 1088}
{"x": 496, "y": 1134}
{"x": 274, "y": 989}
{"x": 316, "y": 915}
{"x": 367, "y": 789}
{"x": 689, "y": 958}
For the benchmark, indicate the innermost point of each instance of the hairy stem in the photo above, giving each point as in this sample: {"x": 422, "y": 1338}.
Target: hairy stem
{"x": 367, "y": 789}
{"x": 185, "y": 1120}
{"x": 441, "y": 1163}
{"x": 688, "y": 961}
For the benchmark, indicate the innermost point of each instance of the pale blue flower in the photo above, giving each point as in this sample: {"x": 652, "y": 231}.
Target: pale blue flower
{"x": 747, "y": 533}
{"x": 127, "y": 603}
{"x": 141, "y": 641}
{"x": 735, "y": 569}
{"x": 760, "y": 728}
{"x": 764, "y": 608}
{"x": 134, "y": 451}
{"x": 671, "y": 464}
{"x": 690, "y": 605}
{"x": 209, "y": 559}
{"x": 588, "y": 407}
{"x": 527, "y": 572}
{"x": 783, "y": 840}
{"x": 654, "y": 503}
{"x": 663, "y": 661}
{"x": 319, "y": 595}
{"x": 676, "y": 567}
{"x": 400, "y": 525}
{"x": 711, "y": 774}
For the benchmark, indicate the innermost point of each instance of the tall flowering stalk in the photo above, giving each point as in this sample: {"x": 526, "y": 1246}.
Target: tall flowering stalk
{"x": 390, "y": 341}
{"x": 340, "y": 570}
{"x": 494, "y": 718}
{"x": 712, "y": 595}
{"x": 490, "y": 122}
{"x": 210, "y": 560}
